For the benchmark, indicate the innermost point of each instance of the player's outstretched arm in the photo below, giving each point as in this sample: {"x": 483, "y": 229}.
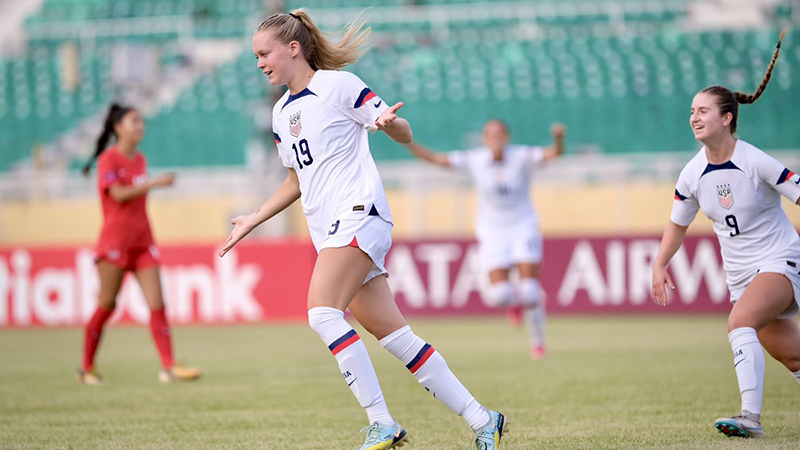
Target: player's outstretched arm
{"x": 670, "y": 243}
{"x": 124, "y": 194}
{"x": 395, "y": 127}
{"x": 558, "y": 131}
{"x": 428, "y": 155}
{"x": 288, "y": 192}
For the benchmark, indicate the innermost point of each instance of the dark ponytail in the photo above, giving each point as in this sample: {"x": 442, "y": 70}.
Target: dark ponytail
{"x": 115, "y": 115}
{"x": 729, "y": 101}
{"x": 745, "y": 99}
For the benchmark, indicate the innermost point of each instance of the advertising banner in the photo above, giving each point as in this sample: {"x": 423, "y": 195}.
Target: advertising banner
{"x": 262, "y": 281}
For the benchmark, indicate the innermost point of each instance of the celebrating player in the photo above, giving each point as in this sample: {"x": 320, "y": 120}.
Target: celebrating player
{"x": 507, "y": 226}
{"x": 320, "y": 131}
{"x": 739, "y": 188}
{"x": 126, "y": 243}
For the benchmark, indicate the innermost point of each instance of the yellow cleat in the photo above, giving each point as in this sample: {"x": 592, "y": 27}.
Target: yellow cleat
{"x": 90, "y": 377}
{"x": 178, "y": 373}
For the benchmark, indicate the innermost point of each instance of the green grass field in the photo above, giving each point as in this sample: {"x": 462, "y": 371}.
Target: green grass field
{"x": 608, "y": 383}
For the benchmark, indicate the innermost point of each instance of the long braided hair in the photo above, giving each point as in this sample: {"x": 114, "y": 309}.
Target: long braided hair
{"x": 729, "y": 101}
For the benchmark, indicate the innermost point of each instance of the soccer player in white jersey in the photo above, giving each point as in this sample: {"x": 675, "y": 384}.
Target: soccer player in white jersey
{"x": 507, "y": 226}
{"x": 320, "y": 130}
{"x": 739, "y": 188}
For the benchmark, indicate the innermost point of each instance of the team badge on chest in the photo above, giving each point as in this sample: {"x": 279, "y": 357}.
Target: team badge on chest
{"x": 295, "y": 126}
{"x": 725, "y": 195}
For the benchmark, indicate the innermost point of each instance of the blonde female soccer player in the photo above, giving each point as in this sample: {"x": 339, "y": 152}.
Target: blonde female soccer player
{"x": 507, "y": 226}
{"x": 320, "y": 131}
{"x": 739, "y": 188}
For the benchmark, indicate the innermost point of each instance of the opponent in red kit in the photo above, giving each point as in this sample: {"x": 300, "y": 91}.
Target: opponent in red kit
{"x": 126, "y": 242}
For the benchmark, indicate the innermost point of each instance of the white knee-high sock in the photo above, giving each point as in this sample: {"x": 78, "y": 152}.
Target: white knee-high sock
{"x": 796, "y": 375}
{"x": 501, "y": 293}
{"x": 353, "y": 359}
{"x": 432, "y": 373}
{"x": 748, "y": 359}
{"x": 535, "y": 315}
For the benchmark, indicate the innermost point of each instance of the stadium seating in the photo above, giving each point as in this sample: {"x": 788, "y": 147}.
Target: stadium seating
{"x": 618, "y": 90}
{"x": 36, "y": 105}
{"x": 210, "y": 123}
{"x": 615, "y": 93}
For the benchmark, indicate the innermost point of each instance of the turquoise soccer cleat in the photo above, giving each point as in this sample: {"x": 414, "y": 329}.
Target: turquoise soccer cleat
{"x": 746, "y": 425}
{"x": 380, "y": 437}
{"x": 488, "y": 437}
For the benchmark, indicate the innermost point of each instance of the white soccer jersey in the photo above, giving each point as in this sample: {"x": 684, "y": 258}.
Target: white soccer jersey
{"x": 503, "y": 186}
{"x": 742, "y": 197}
{"x": 320, "y": 134}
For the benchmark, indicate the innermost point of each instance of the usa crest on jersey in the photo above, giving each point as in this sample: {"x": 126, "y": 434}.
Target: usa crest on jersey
{"x": 725, "y": 195}
{"x": 295, "y": 126}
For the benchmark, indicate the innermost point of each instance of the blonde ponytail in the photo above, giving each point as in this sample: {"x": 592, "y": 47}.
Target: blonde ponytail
{"x": 318, "y": 50}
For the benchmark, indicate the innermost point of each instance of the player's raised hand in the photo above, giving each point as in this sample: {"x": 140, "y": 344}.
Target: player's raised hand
{"x": 661, "y": 278}
{"x": 242, "y": 226}
{"x": 388, "y": 116}
{"x": 558, "y": 130}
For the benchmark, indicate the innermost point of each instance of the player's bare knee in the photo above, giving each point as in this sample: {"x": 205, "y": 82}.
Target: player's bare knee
{"x": 739, "y": 321}
{"x": 792, "y": 362}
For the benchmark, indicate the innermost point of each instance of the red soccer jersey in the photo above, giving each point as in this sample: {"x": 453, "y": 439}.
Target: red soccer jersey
{"x": 125, "y": 224}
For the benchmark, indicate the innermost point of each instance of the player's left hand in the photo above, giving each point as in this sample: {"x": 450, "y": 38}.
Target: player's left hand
{"x": 388, "y": 116}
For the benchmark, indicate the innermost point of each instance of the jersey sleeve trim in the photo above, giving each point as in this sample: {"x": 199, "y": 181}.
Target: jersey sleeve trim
{"x": 277, "y": 138}
{"x": 785, "y": 175}
{"x": 365, "y": 95}
{"x": 678, "y": 196}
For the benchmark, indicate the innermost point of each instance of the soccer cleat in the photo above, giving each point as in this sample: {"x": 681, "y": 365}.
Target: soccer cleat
{"x": 746, "y": 425}
{"x": 178, "y": 373}
{"x": 488, "y": 437}
{"x": 89, "y": 376}
{"x": 538, "y": 352}
{"x": 380, "y": 437}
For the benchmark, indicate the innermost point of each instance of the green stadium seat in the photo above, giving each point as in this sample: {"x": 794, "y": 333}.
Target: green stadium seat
{"x": 617, "y": 92}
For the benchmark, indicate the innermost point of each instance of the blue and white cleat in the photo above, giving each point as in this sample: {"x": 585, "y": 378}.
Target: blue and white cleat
{"x": 745, "y": 425}
{"x": 380, "y": 437}
{"x": 488, "y": 437}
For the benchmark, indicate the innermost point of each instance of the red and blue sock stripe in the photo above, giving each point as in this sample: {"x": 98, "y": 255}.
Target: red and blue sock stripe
{"x": 350, "y": 338}
{"x": 425, "y": 352}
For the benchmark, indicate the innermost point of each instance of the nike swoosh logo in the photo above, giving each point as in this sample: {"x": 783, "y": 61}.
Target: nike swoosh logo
{"x": 733, "y": 365}
{"x": 796, "y": 182}
{"x": 377, "y": 104}
{"x": 354, "y": 380}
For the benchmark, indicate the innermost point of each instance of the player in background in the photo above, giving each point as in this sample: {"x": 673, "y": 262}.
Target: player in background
{"x": 507, "y": 227}
{"x": 126, "y": 242}
{"x": 320, "y": 131}
{"x": 739, "y": 188}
